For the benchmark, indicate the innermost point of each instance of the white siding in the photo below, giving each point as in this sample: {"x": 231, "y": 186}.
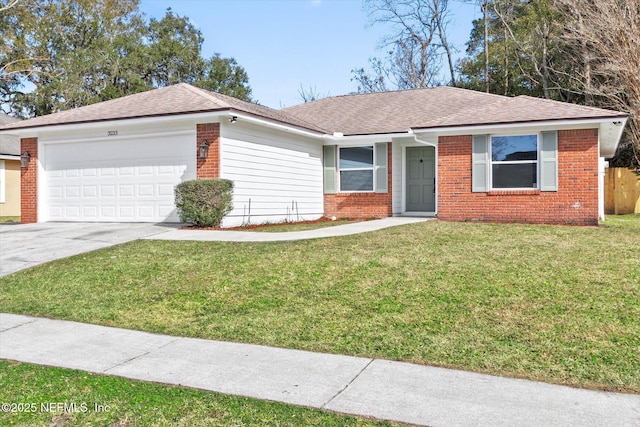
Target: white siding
{"x": 277, "y": 175}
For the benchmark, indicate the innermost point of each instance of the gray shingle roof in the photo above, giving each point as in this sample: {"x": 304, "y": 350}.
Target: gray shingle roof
{"x": 171, "y": 100}
{"x": 390, "y": 112}
{"x": 9, "y": 144}
{"x": 358, "y": 114}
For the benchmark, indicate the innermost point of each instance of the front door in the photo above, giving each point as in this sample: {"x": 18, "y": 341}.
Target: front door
{"x": 421, "y": 179}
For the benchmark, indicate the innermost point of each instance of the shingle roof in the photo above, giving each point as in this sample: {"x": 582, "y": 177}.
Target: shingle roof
{"x": 391, "y": 112}
{"x": 358, "y": 114}
{"x": 9, "y": 144}
{"x": 171, "y": 100}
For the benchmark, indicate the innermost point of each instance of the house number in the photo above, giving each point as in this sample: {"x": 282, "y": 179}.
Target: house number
{"x": 112, "y": 133}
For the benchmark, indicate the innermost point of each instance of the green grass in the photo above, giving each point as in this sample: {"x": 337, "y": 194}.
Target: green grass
{"x": 550, "y": 303}
{"x": 125, "y": 402}
{"x": 9, "y": 219}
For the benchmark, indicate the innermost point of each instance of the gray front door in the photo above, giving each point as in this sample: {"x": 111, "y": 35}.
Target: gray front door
{"x": 421, "y": 179}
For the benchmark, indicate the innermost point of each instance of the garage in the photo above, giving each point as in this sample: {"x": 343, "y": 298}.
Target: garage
{"x": 117, "y": 180}
{"x": 120, "y": 160}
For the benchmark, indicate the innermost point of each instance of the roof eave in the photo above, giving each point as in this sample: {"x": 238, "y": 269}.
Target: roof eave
{"x": 476, "y": 128}
{"x": 18, "y": 129}
{"x": 226, "y": 111}
{"x": 610, "y": 129}
{"x": 256, "y": 118}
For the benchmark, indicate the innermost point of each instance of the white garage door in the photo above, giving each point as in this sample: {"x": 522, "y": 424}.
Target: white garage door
{"x": 117, "y": 180}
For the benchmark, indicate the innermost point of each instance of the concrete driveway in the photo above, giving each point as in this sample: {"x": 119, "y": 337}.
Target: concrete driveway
{"x": 26, "y": 245}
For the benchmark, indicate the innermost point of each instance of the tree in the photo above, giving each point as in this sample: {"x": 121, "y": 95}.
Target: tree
{"x": 224, "y": 75}
{"x": 61, "y": 54}
{"x": 606, "y": 34}
{"x": 415, "y": 49}
{"x": 173, "y": 51}
{"x": 72, "y": 51}
{"x": 520, "y": 50}
{"x": 310, "y": 94}
{"x": 372, "y": 82}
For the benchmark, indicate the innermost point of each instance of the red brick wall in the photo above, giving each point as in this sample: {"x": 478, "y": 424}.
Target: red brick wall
{"x": 575, "y": 202}
{"x": 29, "y": 182}
{"x": 209, "y": 167}
{"x": 361, "y": 205}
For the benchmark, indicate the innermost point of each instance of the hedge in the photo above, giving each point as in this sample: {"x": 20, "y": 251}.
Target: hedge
{"x": 204, "y": 202}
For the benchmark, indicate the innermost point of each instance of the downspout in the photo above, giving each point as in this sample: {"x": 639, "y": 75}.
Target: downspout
{"x": 602, "y": 166}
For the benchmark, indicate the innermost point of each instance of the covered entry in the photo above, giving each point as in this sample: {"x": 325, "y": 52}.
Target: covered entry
{"x": 420, "y": 179}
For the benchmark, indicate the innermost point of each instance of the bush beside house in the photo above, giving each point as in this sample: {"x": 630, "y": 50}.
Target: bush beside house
{"x": 204, "y": 202}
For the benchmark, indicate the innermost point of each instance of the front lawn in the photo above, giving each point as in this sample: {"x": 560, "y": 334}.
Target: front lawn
{"x": 550, "y": 303}
{"x": 36, "y": 396}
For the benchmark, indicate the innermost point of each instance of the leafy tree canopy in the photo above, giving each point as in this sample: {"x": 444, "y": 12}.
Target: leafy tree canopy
{"x": 62, "y": 54}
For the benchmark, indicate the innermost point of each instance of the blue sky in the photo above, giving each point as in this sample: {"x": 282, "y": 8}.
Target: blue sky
{"x": 286, "y": 44}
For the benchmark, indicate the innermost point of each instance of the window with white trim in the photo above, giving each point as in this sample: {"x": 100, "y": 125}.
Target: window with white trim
{"x": 514, "y": 162}
{"x": 356, "y": 166}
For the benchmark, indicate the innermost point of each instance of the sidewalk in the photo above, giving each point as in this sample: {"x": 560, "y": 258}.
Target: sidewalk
{"x": 354, "y": 385}
{"x": 256, "y": 236}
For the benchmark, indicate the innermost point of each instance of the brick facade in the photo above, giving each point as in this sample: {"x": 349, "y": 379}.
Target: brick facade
{"x": 29, "y": 182}
{"x": 361, "y": 205}
{"x": 575, "y": 202}
{"x": 209, "y": 167}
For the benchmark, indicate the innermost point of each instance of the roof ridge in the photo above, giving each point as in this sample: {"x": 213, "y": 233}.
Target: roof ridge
{"x": 382, "y": 93}
{"x": 200, "y": 92}
{"x": 213, "y": 95}
{"x": 464, "y": 110}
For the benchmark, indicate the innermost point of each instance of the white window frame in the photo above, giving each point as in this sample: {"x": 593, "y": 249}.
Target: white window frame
{"x": 372, "y": 169}
{"x": 514, "y": 162}
{"x": 3, "y": 183}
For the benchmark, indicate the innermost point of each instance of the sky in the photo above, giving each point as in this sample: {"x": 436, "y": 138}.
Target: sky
{"x": 286, "y": 45}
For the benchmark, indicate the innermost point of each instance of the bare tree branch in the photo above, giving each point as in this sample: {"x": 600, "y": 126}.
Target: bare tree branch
{"x": 9, "y": 6}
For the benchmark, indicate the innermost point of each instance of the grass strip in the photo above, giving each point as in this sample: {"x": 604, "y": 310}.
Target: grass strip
{"x": 45, "y": 396}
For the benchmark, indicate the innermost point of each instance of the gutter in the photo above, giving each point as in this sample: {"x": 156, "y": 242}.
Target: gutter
{"x": 479, "y": 128}
{"x": 242, "y": 116}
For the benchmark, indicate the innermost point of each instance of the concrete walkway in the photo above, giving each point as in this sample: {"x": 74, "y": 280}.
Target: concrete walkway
{"x": 382, "y": 389}
{"x": 256, "y": 236}
{"x": 26, "y": 245}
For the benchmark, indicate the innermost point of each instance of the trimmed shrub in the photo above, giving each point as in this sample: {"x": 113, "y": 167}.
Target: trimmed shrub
{"x": 204, "y": 202}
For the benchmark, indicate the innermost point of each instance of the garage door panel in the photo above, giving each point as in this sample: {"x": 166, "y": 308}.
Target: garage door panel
{"x": 125, "y": 190}
{"x": 71, "y": 192}
{"x": 98, "y": 181}
{"x": 90, "y": 212}
{"x": 107, "y": 191}
{"x": 108, "y": 212}
{"x": 90, "y": 191}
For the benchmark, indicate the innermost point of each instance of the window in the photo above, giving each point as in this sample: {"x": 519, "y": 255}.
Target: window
{"x": 514, "y": 162}
{"x": 356, "y": 168}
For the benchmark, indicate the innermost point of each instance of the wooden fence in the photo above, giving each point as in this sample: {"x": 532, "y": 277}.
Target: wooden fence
{"x": 621, "y": 192}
